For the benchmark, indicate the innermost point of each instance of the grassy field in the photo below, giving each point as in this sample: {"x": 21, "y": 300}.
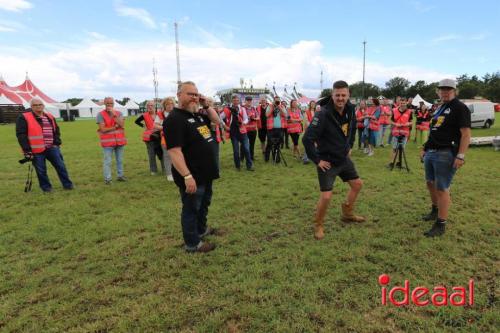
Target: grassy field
{"x": 110, "y": 258}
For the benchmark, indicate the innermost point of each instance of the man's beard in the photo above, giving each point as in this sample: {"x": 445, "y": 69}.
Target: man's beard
{"x": 191, "y": 107}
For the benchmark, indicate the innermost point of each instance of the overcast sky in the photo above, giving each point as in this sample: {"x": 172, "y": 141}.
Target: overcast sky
{"x": 98, "y": 48}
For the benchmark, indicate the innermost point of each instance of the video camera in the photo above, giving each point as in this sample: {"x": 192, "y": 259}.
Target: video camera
{"x": 26, "y": 159}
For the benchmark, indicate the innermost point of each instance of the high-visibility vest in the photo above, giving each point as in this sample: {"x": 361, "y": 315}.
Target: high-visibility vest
{"x": 360, "y": 118}
{"x": 35, "y": 131}
{"x": 111, "y": 138}
{"x": 229, "y": 119}
{"x": 385, "y": 115}
{"x": 251, "y": 113}
{"x": 309, "y": 115}
{"x": 401, "y": 118}
{"x": 150, "y": 127}
{"x": 270, "y": 119}
{"x": 424, "y": 125}
{"x": 161, "y": 115}
{"x": 294, "y": 127}
{"x": 374, "y": 123}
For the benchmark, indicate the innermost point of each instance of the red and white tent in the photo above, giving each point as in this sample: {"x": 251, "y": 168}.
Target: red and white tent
{"x": 23, "y": 93}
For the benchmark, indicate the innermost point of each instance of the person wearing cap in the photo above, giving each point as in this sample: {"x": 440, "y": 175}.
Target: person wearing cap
{"x": 444, "y": 152}
{"x": 253, "y": 118}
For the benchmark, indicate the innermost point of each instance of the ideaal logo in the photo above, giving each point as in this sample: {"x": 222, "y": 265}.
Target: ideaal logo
{"x": 422, "y": 296}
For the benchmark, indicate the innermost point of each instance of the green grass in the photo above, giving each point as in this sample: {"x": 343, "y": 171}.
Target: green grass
{"x": 110, "y": 258}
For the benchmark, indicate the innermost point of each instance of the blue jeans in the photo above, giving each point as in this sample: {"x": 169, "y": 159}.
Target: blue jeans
{"x": 383, "y": 129}
{"x": 235, "y": 141}
{"x": 56, "y": 159}
{"x": 194, "y": 214}
{"x": 439, "y": 168}
{"x": 108, "y": 156}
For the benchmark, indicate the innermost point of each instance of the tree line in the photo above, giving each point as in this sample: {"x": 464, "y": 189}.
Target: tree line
{"x": 469, "y": 87}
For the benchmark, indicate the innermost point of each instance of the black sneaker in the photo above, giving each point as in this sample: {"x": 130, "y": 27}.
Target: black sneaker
{"x": 251, "y": 168}
{"x": 108, "y": 182}
{"x": 431, "y": 216}
{"x": 203, "y": 247}
{"x": 390, "y": 165}
{"x": 121, "y": 179}
{"x": 437, "y": 230}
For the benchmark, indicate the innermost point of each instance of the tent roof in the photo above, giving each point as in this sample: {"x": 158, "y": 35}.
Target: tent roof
{"x": 131, "y": 105}
{"x": 87, "y": 103}
{"x": 5, "y": 101}
{"x": 23, "y": 92}
{"x": 417, "y": 99}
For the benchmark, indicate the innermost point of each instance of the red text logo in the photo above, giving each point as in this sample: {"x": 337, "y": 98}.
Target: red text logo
{"x": 422, "y": 296}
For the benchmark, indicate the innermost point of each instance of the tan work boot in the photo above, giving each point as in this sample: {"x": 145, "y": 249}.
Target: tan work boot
{"x": 319, "y": 233}
{"x": 348, "y": 215}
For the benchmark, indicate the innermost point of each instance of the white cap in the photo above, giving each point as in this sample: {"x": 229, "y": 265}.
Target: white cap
{"x": 447, "y": 83}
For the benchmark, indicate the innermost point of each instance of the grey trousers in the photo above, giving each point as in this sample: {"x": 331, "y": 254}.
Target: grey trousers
{"x": 150, "y": 145}
{"x": 167, "y": 162}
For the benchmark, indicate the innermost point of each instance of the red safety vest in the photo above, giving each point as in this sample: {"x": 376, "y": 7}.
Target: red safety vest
{"x": 385, "y": 115}
{"x": 111, "y": 138}
{"x": 360, "y": 118}
{"x": 35, "y": 131}
{"x": 270, "y": 120}
{"x": 251, "y": 113}
{"x": 424, "y": 125}
{"x": 374, "y": 123}
{"x": 294, "y": 127}
{"x": 309, "y": 115}
{"x": 150, "y": 126}
{"x": 229, "y": 118}
{"x": 162, "y": 135}
{"x": 401, "y": 118}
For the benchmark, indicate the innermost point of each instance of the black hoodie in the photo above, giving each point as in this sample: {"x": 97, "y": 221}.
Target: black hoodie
{"x": 325, "y": 139}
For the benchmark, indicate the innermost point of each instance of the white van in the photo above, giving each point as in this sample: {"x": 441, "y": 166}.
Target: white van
{"x": 482, "y": 114}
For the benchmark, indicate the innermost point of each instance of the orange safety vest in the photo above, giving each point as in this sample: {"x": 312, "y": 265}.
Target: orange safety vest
{"x": 294, "y": 127}
{"x": 35, "y": 132}
{"x": 360, "y": 118}
{"x": 229, "y": 118}
{"x": 270, "y": 120}
{"x": 162, "y": 135}
{"x": 374, "y": 123}
{"x": 401, "y": 118}
{"x": 309, "y": 115}
{"x": 385, "y": 115}
{"x": 150, "y": 124}
{"x": 424, "y": 125}
{"x": 111, "y": 138}
{"x": 252, "y": 124}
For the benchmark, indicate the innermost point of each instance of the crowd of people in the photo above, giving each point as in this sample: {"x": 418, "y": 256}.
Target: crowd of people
{"x": 185, "y": 138}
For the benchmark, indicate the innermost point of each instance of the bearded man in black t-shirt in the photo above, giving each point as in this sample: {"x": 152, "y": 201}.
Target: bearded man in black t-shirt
{"x": 444, "y": 152}
{"x": 194, "y": 164}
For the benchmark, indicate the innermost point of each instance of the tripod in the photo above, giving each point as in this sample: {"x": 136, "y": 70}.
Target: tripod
{"x": 400, "y": 156}
{"x": 276, "y": 153}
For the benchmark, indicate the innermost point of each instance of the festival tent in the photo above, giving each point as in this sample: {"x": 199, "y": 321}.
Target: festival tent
{"x": 121, "y": 108}
{"x": 87, "y": 108}
{"x": 417, "y": 99}
{"x": 131, "y": 105}
{"x": 24, "y": 92}
{"x": 5, "y": 101}
{"x": 304, "y": 100}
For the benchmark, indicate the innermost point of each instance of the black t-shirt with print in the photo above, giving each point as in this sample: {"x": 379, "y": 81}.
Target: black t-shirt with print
{"x": 192, "y": 133}
{"x": 446, "y": 123}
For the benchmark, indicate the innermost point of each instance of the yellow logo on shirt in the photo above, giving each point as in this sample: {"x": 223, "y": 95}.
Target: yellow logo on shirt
{"x": 439, "y": 121}
{"x": 345, "y": 128}
{"x": 204, "y": 131}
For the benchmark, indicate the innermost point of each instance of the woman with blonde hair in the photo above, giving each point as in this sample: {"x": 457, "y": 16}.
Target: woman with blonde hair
{"x": 167, "y": 105}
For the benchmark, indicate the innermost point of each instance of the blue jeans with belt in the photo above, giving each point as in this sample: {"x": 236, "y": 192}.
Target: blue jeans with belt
{"x": 194, "y": 213}
{"x": 54, "y": 156}
{"x": 243, "y": 139}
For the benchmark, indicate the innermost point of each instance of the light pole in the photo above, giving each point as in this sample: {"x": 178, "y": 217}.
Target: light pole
{"x": 364, "y": 57}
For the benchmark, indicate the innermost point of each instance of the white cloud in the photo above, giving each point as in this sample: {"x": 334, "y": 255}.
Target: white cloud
{"x": 445, "y": 38}
{"x": 481, "y": 36}
{"x": 96, "y": 35}
{"x": 104, "y": 67}
{"x": 10, "y": 26}
{"x": 139, "y": 14}
{"x": 421, "y": 8}
{"x": 15, "y": 5}
{"x": 5, "y": 28}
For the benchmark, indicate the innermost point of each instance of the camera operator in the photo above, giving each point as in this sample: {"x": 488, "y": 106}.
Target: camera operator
{"x": 236, "y": 118}
{"x": 39, "y": 137}
{"x": 401, "y": 120}
{"x": 276, "y": 122}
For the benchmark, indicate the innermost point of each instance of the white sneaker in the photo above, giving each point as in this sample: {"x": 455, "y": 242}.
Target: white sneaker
{"x": 365, "y": 151}
{"x": 371, "y": 153}
{"x": 153, "y": 173}
{"x": 170, "y": 178}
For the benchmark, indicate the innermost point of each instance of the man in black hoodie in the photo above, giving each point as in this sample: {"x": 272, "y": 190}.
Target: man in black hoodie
{"x": 328, "y": 142}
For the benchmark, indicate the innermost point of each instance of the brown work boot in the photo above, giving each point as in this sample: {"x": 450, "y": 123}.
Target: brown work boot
{"x": 319, "y": 233}
{"x": 203, "y": 247}
{"x": 348, "y": 215}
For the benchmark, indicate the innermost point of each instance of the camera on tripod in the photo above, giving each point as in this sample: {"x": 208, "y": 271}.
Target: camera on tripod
{"x": 26, "y": 159}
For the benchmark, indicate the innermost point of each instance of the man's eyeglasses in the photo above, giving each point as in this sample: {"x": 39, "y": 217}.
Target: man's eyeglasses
{"x": 36, "y": 104}
{"x": 110, "y": 104}
{"x": 195, "y": 95}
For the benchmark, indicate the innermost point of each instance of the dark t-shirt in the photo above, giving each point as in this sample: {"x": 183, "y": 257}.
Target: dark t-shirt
{"x": 191, "y": 132}
{"x": 446, "y": 123}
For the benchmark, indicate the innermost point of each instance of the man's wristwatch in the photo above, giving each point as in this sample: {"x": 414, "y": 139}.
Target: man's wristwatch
{"x": 188, "y": 176}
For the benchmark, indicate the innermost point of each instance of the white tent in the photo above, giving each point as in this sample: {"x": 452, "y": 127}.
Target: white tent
{"x": 5, "y": 101}
{"x": 87, "y": 108}
{"x": 417, "y": 99}
{"x": 131, "y": 105}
